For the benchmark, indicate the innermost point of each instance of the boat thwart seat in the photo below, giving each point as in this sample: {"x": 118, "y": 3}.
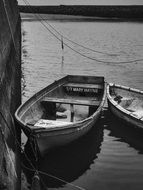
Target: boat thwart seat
{"x": 84, "y": 102}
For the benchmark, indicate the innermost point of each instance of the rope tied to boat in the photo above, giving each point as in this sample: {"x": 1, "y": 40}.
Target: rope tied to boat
{"x": 54, "y": 177}
{"x": 37, "y": 179}
{"x": 33, "y": 145}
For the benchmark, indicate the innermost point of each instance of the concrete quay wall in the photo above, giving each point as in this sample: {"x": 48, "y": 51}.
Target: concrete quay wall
{"x": 106, "y": 11}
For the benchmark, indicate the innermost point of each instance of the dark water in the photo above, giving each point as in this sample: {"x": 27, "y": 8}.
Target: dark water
{"x": 111, "y": 155}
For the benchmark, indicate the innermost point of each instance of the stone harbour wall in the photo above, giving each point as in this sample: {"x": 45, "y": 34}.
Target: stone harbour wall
{"x": 104, "y": 11}
{"x": 10, "y": 94}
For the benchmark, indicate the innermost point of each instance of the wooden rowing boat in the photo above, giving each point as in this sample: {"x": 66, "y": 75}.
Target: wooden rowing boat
{"x": 126, "y": 103}
{"x": 63, "y": 111}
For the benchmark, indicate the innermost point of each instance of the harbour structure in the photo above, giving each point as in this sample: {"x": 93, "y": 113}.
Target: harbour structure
{"x": 10, "y": 96}
{"x": 129, "y": 12}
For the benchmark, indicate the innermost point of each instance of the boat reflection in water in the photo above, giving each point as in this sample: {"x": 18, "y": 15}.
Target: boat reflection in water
{"x": 121, "y": 158}
{"x": 71, "y": 161}
{"x": 125, "y": 133}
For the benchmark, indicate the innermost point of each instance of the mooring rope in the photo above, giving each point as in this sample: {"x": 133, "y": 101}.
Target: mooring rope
{"x": 64, "y": 37}
{"x": 55, "y": 177}
{"x": 76, "y": 51}
{"x": 29, "y": 161}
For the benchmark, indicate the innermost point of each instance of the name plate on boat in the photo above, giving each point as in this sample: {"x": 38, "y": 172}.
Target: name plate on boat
{"x": 81, "y": 89}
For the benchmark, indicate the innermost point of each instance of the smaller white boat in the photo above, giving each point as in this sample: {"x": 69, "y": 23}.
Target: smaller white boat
{"x": 126, "y": 103}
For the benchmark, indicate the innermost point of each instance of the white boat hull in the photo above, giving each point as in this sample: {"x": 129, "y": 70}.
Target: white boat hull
{"x": 126, "y": 118}
{"x": 81, "y": 99}
{"x": 47, "y": 141}
{"x": 124, "y": 115}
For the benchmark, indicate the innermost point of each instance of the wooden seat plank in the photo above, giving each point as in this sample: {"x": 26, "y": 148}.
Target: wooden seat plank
{"x": 82, "y": 85}
{"x": 84, "y": 102}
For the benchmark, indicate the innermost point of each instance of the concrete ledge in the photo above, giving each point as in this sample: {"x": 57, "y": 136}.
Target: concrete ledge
{"x": 130, "y": 12}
